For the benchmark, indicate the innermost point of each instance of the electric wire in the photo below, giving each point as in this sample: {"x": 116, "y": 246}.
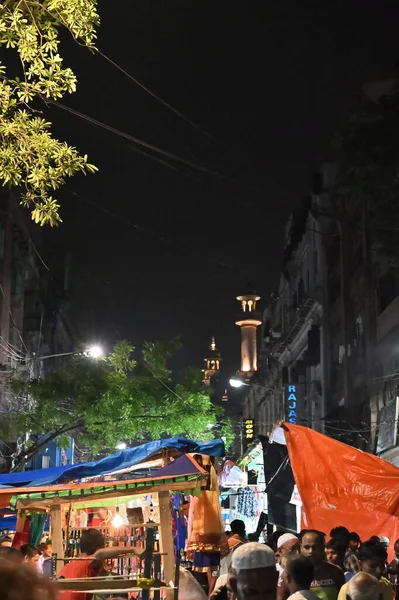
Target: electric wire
{"x": 160, "y": 380}
{"x": 136, "y": 140}
{"x": 160, "y": 237}
{"x": 217, "y": 176}
{"x": 160, "y": 100}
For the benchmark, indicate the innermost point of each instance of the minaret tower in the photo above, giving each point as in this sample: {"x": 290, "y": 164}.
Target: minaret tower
{"x": 248, "y": 319}
{"x": 212, "y": 363}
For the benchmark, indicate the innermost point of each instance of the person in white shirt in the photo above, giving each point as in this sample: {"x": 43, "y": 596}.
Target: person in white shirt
{"x": 299, "y": 574}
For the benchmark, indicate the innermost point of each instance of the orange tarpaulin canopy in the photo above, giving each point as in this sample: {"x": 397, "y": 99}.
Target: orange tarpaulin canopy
{"x": 340, "y": 485}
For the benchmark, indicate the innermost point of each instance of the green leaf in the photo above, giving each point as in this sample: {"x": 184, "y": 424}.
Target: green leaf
{"x": 28, "y": 152}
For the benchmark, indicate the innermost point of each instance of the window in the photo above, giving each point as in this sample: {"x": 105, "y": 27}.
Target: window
{"x": 45, "y": 462}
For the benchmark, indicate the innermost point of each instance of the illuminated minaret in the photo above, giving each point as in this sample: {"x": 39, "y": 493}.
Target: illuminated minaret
{"x": 248, "y": 319}
{"x": 212, "y": 363}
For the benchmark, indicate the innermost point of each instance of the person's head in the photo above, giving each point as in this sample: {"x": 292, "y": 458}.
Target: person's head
{"x": 272, "y": 540}
{"x": 22, "y": 582}
{"x": 335, "y": 552}
{"x": 253, "y": 574}
{"x": 10, "y": 554}
{"x": 30, "y": 554}
{"x": 340, "y": 533}
{"x": 313, "y": 546}
{"x": 46, "y": 549}
{"x": 91, "y": 540}
{"x": 237, "y": 527}
{"x": 375, "y": 539}
{"x": 253, "y": 537}
{"x": 385, "y": 541}
{"x": 287, "y": 544}
{"x": 372, "y": 558}
{"x": 6, "y": 541}
{"x": 363, "y": 586}
{"x": 396, "y": 548}
{"x": 220, "y": 594}
{"x": 354, "y": 541}
{"x": 299, "y": 573}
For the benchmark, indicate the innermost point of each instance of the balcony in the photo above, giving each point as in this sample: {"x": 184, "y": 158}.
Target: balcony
{"x": 295, "y": 325}
{"x": 388, "y": 321}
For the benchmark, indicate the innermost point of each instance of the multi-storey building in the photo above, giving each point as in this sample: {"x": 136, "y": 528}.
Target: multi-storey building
{"x": 290, "y": 357}
{"x": 33, "y": 319}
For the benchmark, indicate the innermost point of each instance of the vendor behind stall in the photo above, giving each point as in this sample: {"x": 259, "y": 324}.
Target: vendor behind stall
{"x": 91, "y": 541}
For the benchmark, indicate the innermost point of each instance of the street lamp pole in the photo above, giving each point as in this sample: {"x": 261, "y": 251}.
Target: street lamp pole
{"x": 92, "y": 352}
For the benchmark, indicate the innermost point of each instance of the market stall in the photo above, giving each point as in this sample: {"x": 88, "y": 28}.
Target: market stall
{"x": 243, "y": 489}
{"x": 131, "y": 504}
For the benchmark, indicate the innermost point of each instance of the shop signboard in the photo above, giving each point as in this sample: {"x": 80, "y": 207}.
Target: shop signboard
{"x": 388, "y": 429}
{"x": 294, "y": 402}
{"x": 248, "y": 434}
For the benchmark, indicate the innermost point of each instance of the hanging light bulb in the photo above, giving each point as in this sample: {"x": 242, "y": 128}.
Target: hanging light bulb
{"x": 117, "y": 521}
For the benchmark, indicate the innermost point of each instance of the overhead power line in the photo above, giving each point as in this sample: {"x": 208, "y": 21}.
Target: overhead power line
{"x": 137, "y": 141}
{"x": 161, "y": 101}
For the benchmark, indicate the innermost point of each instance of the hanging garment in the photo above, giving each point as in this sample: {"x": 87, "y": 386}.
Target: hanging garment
{"x": 246, "y": 502}
{"x": 179, "y": 523}
{"x": 37, "y": 522}
{"x": 207, "y": 539}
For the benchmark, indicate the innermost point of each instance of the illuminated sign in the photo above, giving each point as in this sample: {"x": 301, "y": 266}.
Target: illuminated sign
{"x": 249, "y": 425}
{"x": 292, "y": 402}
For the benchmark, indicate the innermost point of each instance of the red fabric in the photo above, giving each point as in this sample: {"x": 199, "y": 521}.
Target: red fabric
{"x": 340, "y": 485}
{"x": 79, "y": 569}
{"x": 21, "y": 536}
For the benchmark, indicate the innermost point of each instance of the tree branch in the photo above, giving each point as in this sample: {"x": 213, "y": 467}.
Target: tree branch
{"x": 60, "y": 431}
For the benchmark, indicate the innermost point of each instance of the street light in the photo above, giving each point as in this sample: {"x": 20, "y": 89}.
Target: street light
{"x": 236, "y": 382}
{"x": 94, "y": 352}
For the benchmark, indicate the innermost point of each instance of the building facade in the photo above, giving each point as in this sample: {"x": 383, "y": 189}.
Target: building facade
{"x": 329, "y": 348}
{"x": 291, "y": 346}
{"x": 33, "y": 312}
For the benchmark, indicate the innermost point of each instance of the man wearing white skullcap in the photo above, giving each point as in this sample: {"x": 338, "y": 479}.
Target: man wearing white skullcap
{"x": 287, "y": 545}
{"x": 253, "y": 574}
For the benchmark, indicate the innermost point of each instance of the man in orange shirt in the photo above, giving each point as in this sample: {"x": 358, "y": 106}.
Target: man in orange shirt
{"x": 237, "y": 533}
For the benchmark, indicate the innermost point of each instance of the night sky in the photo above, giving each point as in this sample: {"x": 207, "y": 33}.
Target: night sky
{"x": 270, "y": 82}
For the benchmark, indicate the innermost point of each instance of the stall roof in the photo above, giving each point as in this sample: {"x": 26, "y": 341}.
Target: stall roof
{"x": 184, "y": 473}
{"x": 115, "y": 462}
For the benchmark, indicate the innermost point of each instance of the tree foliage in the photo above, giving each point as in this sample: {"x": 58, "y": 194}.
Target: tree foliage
{"x": 368, "y": 152}
{"x": 30, "y": 158}
{"x": 102, "y": 403}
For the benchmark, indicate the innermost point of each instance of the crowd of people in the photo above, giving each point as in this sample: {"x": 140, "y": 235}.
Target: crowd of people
{"x": 288, "y": 567}
{"x": 308, "y": 567}
{"x": 38, "y": 557}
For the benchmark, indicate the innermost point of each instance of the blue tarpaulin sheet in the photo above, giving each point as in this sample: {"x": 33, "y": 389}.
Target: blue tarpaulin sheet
{"x": 115, "y": 462}
{"x": 8, "y": 523}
